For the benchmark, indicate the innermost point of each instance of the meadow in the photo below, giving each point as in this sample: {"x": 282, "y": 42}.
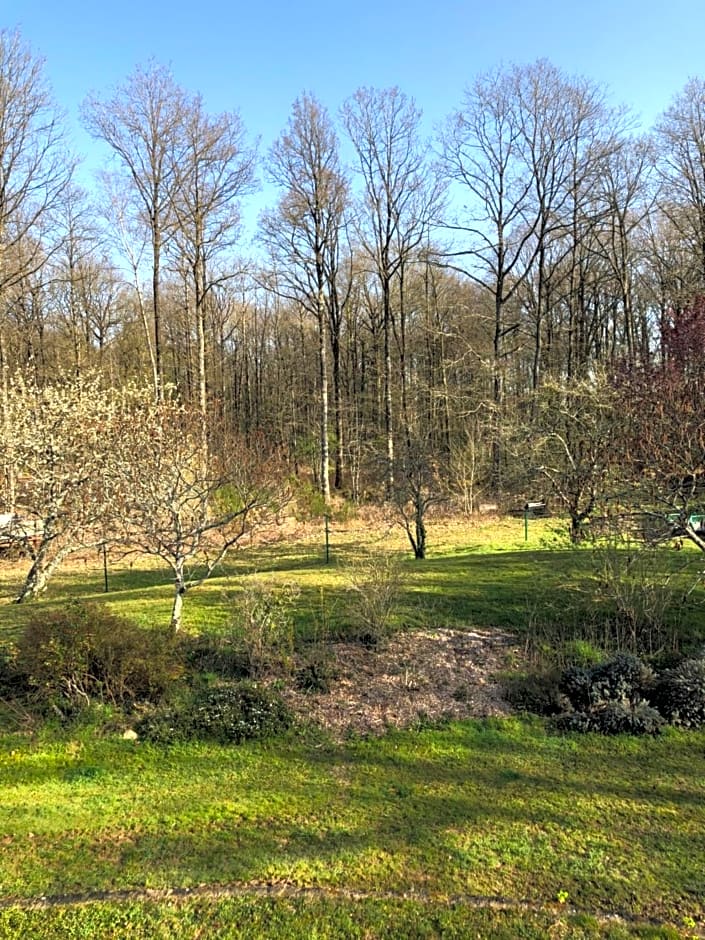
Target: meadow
{"x": 479, "y": 828}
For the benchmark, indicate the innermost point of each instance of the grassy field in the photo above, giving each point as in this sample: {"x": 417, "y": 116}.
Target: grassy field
{"x": 481, "y": 574}
{"x": 482, "y": 828}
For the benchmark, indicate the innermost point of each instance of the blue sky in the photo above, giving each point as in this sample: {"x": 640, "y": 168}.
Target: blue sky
{"x": 258, "y": 57}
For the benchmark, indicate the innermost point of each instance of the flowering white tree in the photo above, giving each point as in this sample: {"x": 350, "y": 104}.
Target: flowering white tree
{"x": 57, "y": 442}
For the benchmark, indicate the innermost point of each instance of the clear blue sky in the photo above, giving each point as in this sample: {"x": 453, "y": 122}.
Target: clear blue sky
{"x": 258, "y": 57}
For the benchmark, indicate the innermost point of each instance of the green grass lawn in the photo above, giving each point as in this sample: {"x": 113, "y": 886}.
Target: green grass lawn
{"x": 477, "y": 574}
{"x": 493, "y": 809}
{"x": 430, "y": 832}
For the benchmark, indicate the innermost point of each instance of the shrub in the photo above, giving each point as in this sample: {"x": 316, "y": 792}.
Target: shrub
{"x": 226, "y": 713}
{"x": 679, "y": 694}
{"x": 622, "y": 679}
{"x": 262, "y": 626}
{"x": 375, "y": 585}
{"x": 537, "y": 693}
{"x": 84, "y": 653}
{"x": 14, "y": 682}
{"x": 613, "y": 717}
{"x": 317, "y": 670}
{"x": 609, "y": 698}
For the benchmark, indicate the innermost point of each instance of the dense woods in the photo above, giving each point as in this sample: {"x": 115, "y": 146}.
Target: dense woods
{"x": 513, "y": 308}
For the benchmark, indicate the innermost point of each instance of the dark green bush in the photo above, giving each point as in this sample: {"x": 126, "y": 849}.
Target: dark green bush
{"x": 623, "y": 678}
{"x": 83, "y": 653}
{"x": 679, "y": 694}
{"x": 226, "y": 713}
{"x": 613, "y": 717}
{"x": 537, "y": 693}
{"x": 609, "y": 698}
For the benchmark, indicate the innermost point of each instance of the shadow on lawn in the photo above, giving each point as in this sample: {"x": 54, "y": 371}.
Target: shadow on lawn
{"x": 504, "y": 820}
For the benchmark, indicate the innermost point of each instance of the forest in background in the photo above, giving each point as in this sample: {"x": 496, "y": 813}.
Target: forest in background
{"x": 510, "y": 310}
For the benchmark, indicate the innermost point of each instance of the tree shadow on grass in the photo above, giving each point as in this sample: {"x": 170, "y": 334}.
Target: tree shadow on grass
{"x": 468, "y": 809}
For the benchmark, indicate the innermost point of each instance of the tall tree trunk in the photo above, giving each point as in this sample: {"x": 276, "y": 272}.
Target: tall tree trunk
{"x": 323, "y": 378}
{"x": 388, "y": 425}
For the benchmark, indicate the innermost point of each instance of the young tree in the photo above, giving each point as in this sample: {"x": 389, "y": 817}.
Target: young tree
{"x": 59, "y": 440}
{"x": 170, "y": 505}
{"x": 416, "y": 488}
{"x": 661, "y": 434}
{"x": 570, "y": 445}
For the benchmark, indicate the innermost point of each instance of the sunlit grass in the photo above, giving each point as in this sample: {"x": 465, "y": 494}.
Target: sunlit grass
{"x": 498, "y": 809}
{"x": 491, "y": 573}
{"x": 490, "y": 809}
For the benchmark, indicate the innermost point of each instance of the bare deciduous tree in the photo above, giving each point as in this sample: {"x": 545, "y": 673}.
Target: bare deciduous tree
{"x": 401, "y": 197}
{"x": 304, "y": 237}
{"x": 212, "y": 170}
{"x": 142, "y": 123}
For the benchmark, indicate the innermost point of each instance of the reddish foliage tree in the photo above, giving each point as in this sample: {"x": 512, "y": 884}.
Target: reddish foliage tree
{"x": 661, "y": 434}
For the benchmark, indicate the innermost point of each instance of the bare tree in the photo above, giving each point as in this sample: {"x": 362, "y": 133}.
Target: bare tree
{"x": 680, "y": 138}
{"x": 304, "y": 236}
{"x": 482, "y": 155}
{"x": 142, "y": 123}
{"x": 212, "y": 170}
{"x": 625, "y": 184}
{"x": 571, "y": 446}
{"x": 401, "y": 198}
{"x": 34, "y": 167}
{"x": 168, "y": 504}
{"x": 34, "y": 172}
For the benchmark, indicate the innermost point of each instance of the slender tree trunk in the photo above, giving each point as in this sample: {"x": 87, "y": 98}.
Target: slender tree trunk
{"x": 323, "y": 378}
{"x": 388, "y": 425}
{"x": 8, "y": 457}
{"x": 339, "y": 428}
{"x": 497, "y": 389}
{"x": 177, "y": 604}
{"x": 156, "y": 313}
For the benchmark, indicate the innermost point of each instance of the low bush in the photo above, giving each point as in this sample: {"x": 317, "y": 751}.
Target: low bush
{"x": 613, "y": 717}
{"x": 375, "y": 586}
{"x": 679, "y": 693}
{"x": 83, "y": 653}
{"x": 609, "y": 698}
{"x": 316, "y": 671}
{"x": 624, "y": 678}
{"x": 228, "y": 713}
{"x": 262, "y": 626}
{"x": 537, "y": 693}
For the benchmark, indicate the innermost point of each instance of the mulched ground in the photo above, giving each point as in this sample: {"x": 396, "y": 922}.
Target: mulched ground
{"x": 420, "y": 675}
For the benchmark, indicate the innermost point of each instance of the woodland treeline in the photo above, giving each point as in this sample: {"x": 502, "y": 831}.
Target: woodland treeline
{"x": 472, "y": 314}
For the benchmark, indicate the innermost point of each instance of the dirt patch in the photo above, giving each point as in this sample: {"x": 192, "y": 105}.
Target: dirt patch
{"x": 428, "y": 674}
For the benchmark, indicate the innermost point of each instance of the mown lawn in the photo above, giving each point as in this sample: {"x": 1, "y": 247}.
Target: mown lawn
{"x": 477, "y": 574}
{"x": 497, "y": 809}
{"x": 433, "y": 832}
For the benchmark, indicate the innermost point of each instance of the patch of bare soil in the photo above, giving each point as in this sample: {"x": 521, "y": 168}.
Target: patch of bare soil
{"x": 427, "y": 674}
